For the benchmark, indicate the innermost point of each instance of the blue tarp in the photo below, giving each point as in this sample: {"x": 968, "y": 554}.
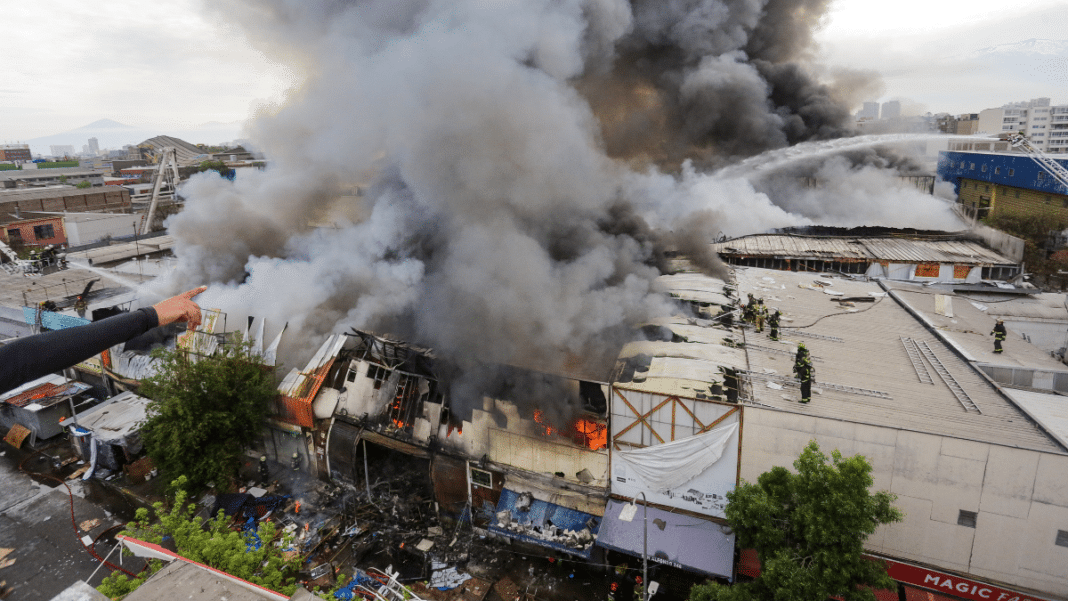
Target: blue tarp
{"x": 675, "y": 539}
{"x": 53, "y": 321}
{"x": 538, "y": 522}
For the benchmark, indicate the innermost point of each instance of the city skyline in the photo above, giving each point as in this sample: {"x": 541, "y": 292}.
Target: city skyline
{"x": 116, "y": 61}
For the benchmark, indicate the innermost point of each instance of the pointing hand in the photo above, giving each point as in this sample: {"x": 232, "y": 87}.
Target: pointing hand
{"x": 180, "y": 308}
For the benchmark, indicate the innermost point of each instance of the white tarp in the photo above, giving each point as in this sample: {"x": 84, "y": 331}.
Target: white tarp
{"x": 672, "y": 464}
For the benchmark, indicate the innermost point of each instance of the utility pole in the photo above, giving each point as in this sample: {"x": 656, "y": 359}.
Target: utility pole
{"x": 645, "y": 545}
{"x": 137, "y": 249}
{"x": 627, "y": 515}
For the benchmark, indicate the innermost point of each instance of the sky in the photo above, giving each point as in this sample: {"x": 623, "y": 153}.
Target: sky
{"x": 175, "y": 65}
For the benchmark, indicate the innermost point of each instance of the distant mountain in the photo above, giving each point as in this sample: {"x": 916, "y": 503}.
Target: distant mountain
{"x": 103, "y": 124}
{"x": 113, "y": 135}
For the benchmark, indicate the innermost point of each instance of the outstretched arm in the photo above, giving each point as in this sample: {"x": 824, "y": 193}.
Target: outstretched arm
{"x": 30, "y": 358}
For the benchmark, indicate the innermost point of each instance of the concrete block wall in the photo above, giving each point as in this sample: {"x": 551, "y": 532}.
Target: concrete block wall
{"x": 1020, "y": 496}
{"x": 1008, "y": 198}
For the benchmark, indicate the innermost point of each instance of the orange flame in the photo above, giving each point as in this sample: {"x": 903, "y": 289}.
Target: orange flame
{"x": 539, "y": 417}
{"x": 594, "y": 435}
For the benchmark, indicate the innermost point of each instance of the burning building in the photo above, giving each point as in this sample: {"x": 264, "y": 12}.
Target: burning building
{"x": 544, "y": 458}
{"x": 547, "y": 471}
{"x": 524, "y": 166}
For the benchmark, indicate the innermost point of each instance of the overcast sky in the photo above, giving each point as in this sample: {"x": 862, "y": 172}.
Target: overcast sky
{"x": 170, "y": 64}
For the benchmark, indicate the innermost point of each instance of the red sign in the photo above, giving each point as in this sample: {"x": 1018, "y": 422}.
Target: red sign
{"x": 952, "y": 585}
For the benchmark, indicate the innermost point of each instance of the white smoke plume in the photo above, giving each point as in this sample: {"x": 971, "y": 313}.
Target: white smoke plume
{"x": 495, "y": 223}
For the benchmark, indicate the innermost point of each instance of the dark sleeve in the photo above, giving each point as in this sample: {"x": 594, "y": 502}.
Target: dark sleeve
{"x": 29, "y": 358}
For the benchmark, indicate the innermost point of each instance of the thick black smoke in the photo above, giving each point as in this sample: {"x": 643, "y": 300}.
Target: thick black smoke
{"x": 515, "y": 207}
{"x": 711, "y": 80}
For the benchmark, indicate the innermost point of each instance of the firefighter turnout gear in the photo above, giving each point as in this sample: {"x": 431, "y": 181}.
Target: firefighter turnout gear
{"x": 804, "y": 372}
{"x": 999, "y": 336}
{"x": 761, "y": 315}
{"x": 749, "y": 313}
{"x": 773, "y": 323}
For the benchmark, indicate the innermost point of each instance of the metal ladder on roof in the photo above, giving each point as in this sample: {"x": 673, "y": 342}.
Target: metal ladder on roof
{"x": 917, "y": 361}
{"x": 794, "y": 332}
{"x": 768, "y": 349}
{"x": 788, "y": 381}
{"x": 951, "y": 382}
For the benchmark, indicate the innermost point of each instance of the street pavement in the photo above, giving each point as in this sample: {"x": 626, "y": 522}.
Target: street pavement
{"x": 47, "y": 554}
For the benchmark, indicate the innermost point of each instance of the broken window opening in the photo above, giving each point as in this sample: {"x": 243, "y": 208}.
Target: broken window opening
{"x": 377, "y": 373}
{"x": 44, "y": 232}
{"x": 407, "y": 402}
{"x": 593, "y": 398}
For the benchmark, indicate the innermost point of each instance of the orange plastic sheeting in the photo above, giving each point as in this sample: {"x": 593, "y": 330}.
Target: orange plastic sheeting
{"x": 298, "y": 410}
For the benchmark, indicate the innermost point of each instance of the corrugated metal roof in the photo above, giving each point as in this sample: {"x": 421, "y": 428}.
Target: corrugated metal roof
{"x": 124, "y": 250}
{"x": 692, "y": 281}
{"x": 895, "y": 250}
{"x": 298, "y": 389}
{"x": 297, "y": 384}
{"x": 1046, "y": 306}
{"x": 684, "y": 369}
{"x": 44, "y": 391}
{"x": 970, "y": 327}
{"x": 870, "y": 356}
{"x": 46, "y": 173}
{"x": 116, "y": 418}
{"x": 1049, "y": 408}
{"x": 54, "y": 192}
{"x": 694, "y": 287}
{"x": 713, "y": 354}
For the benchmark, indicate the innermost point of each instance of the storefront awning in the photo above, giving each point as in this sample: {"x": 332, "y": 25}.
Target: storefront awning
{"x": 678, "y": 540}
{"x": 522, "y": 517}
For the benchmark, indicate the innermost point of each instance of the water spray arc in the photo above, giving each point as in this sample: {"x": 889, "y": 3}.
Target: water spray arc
{"x": 773, "y": 160}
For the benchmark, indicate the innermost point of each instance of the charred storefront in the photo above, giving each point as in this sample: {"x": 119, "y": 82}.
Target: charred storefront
{"x": 512, "y": 462}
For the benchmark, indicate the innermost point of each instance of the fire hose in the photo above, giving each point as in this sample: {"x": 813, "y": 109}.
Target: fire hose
{"x": 91, "y": 548}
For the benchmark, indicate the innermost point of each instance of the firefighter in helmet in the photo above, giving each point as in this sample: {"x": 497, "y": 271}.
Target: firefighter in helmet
{"x": 749, "y": 313}
{"x": 999, "y": 336}
{"x": 81, "y": 306}
{"x": 773, "y": 323}
{"x": 804, "y": 372}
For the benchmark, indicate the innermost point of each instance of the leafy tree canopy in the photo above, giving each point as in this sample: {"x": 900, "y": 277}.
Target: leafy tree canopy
{"x": 84, "y": 185}
{"x": 1034, "y": 228}
{"x": 205, "y": 412}
{"x": 211, "y": 542}
{"x": 219, "y": 166}
{"x": 808, "y": 530}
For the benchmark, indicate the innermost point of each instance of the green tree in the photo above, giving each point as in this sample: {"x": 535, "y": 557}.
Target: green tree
{"x": 808, "y": 530}
{"x": 205, "y": 412}
{"x": 63, "y": 178}
{"x": 219, "y": 166}
{"x": 1034, "y": 228}
{"x": 211, "y": 542}
{"x": 84, "y": 185}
